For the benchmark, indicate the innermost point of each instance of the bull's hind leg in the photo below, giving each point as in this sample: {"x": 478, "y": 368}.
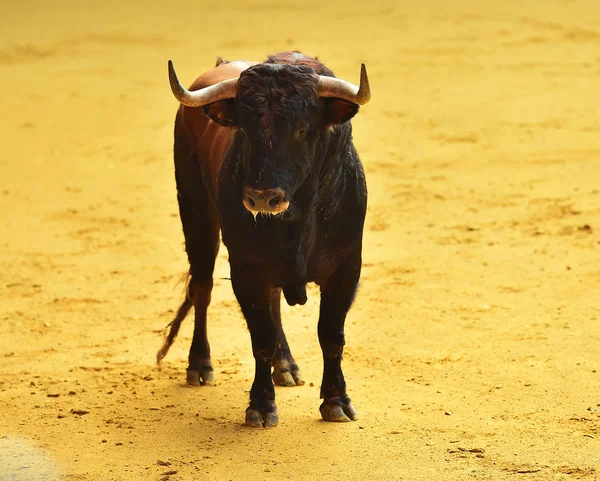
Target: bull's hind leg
{"x": 285, "y": 369}
{"x": 337, "y": 295}
{"x": 201, "y": 230}
{"x": 202, "y": 244}
{"x": 200, "y": 370}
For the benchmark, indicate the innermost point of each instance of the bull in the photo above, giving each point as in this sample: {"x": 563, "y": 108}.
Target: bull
{"x": 264, "y": 156}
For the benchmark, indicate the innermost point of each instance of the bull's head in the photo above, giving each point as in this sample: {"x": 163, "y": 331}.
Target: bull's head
{"x": 281, "y": 112}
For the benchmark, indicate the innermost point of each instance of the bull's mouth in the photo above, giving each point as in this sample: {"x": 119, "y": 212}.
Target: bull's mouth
{"x": 267, "y": 202}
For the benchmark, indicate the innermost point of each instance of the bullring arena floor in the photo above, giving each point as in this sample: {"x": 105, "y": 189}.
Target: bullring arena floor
{"x": 473, "y": 347}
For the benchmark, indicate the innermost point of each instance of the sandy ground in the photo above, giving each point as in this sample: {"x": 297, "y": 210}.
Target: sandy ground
{"x": 473, "y": 347}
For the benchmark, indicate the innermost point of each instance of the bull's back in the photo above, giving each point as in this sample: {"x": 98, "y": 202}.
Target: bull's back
{"x": 206, "y": 139}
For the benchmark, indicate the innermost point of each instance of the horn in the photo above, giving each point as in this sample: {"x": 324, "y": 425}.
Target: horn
{"x": 338, "y": 88}
{"x": 225, "y": 89}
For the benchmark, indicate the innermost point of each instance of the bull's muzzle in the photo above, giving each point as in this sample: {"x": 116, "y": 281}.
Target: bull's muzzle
{"x": 269, "y": 201}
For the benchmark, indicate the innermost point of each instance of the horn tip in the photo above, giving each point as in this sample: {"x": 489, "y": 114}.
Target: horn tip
{"x": 176, "y": 86}
{"x": 365, "y": 88}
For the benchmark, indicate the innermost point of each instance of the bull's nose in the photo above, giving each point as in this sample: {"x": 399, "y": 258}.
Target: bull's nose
{"x": 269, "y": 201}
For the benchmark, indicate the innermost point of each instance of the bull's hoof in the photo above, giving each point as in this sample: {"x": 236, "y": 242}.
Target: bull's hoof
{"x": 205, "y": 375}
{"x": 338, "y": 409}
{"x": 286, "y": 374}
{"x": 266, "y": 417}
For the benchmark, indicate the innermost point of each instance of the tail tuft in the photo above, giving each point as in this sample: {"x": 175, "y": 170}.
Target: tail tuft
{"x": 173, "y": 328}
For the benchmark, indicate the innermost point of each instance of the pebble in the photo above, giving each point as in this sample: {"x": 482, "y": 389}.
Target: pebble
{"x": 79, "y": 412}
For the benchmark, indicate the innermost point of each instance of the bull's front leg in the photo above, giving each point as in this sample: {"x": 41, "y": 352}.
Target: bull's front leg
{"x": 254, "y": 295}
{"x": 337, "y": 294}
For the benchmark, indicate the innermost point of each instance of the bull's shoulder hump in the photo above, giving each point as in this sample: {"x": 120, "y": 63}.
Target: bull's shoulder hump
{"x": 222, "y": 72}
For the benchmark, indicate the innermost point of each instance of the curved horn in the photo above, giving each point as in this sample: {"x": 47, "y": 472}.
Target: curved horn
{"x": 225, "y": 89}
{"x": 335, "y": 87}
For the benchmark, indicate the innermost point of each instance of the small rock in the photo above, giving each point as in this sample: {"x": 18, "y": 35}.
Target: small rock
{"x": 72, "y": 393}
{"x": 53, "y": 395}
{"x": 60, "y": 416}
{"x": 160, "y": 462}
{"x": 448, "y": 413}
{"x": 229, "y": 371}
{"x": 169, "y": 473}
{"x": 79, "y": 412}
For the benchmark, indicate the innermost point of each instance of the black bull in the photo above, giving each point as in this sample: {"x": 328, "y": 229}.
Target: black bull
{"x": 268, "y": 160}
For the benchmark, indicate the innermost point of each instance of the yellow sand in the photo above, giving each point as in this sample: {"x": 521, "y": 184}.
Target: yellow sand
{"x": 473, "y": 347}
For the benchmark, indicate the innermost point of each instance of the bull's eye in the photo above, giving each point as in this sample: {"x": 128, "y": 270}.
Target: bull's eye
{"x": 302, "y": 132}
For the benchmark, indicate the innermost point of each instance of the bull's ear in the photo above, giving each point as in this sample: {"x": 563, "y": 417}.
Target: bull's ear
{"x": 338, "y": 111}
{"x": 222, "y": 112}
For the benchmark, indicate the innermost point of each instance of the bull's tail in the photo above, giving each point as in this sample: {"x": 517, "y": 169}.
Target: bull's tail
{"x": 173, "y": 328}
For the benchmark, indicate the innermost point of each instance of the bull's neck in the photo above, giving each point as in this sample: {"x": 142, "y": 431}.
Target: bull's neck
{"x": 335, "y": 158}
